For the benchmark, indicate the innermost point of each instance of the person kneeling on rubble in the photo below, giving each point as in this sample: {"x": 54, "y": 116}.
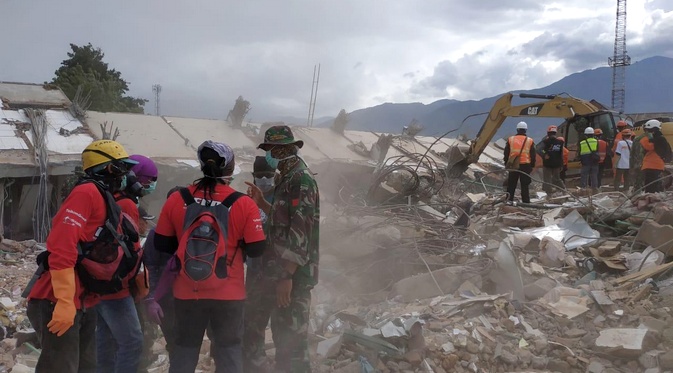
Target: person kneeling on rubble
{"x": 552, "y": 162}
{"x": 520, "y": 161}
{"x": 76, "y": 267}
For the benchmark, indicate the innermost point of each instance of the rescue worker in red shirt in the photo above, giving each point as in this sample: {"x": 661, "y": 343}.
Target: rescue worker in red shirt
{"x": 520, "y": 155}
{"x": 604, "y": 152}
{"x": 59, "y": 308}
{"x": 221, "y": 306}
{"x": 119, "y": 336}
{"x": 566, "y": 155}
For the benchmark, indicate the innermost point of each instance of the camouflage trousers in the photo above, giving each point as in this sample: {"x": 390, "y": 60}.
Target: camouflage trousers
{"x": 637, "y": 179}
{"x": 289, "y": 327}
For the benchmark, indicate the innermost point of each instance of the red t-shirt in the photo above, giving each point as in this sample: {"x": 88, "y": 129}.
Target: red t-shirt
{"x": 77, "y": 220}
{"x": 244, "y": 224}
{"x": 128, "y": 207}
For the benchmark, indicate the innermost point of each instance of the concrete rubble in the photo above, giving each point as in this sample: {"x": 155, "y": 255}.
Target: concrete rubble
{"x": 455, "y": 281}
{"x": 574, "y": 284}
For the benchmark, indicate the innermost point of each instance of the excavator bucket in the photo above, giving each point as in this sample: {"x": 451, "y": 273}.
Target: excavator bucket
{"x": 457, "y": 163}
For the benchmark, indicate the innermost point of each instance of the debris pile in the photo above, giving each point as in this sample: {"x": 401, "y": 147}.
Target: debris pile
{"x": 565, "y": 284}
{"x": 18, "y": 350}
{"x": 462, "y": 282}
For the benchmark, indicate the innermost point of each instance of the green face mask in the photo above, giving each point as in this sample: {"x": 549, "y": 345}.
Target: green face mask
{"x": 273, "y": 162}
{"x": 150, "y": 188}
{"x": 122, "y": 185}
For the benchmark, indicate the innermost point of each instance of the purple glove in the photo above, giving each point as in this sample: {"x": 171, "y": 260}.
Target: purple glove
{"x": 154, "y": 311}
{"x": 168, "y": 276}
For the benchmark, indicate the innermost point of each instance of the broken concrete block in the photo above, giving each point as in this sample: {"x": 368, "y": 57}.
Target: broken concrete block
{"x": 352, "y": 367}
{"x": 539, "y": 288}
{"x": 423, "y": 286}
{"x": 552, "y": 253}
{"x": 654, "y": 234}
{"x": 666, "y": 361}
{"x": 663, "y": 214}
{"x": 653, "y": 324}
{"x": 329, "y": 348}
{"x": 650, "y": 359}
{"x": 610, "y": 248}
{"x": 595, "y": 367}
{"x": 626, "y": 342}
{"x": 7, "y": 303}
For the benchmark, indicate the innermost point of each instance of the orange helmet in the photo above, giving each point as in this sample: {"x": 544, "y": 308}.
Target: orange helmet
{"x": 627, "y": 132}
{"x": 551, "y": 129}
{"x": 598, "y": 132}
{"x": 561, "y": 138}
{"x": 621, "y": 123}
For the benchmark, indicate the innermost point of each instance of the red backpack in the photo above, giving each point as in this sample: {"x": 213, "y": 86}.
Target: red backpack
{"x": 202, "y": 251}
{"x": 107, "y": 264}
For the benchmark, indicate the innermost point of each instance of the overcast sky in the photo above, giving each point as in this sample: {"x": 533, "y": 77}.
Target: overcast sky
{"x": 205, "y": 53}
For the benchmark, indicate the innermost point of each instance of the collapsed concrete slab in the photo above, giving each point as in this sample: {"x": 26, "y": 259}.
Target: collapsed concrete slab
{"x": 626, "y": 342}
{"x": 423, "y": 286}
{"x": 656, "y": 235}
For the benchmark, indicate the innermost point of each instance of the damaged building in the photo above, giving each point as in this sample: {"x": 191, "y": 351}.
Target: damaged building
{"x": 419, "y": 272}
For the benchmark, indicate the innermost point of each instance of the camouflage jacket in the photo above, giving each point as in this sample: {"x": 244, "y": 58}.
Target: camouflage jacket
{"x": 637, "y": 153}
{"x": 294, "y": 227}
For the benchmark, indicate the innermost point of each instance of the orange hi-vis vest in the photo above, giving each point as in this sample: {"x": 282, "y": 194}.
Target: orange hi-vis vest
{"x": 520, "y": 146}
{"x": 602, "y": 150}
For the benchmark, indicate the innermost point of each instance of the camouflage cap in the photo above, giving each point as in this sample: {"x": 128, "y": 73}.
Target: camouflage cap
{"x": 279, "y": 135}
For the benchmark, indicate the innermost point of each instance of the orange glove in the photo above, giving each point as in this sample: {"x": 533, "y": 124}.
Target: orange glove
{"x": 63, "y": 317}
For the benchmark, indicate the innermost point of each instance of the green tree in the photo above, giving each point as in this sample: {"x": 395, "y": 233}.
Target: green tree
{"x": 104, "y": 86}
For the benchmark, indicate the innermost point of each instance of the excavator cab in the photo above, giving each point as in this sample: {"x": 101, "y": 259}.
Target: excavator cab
{"x": 572, "y": 129}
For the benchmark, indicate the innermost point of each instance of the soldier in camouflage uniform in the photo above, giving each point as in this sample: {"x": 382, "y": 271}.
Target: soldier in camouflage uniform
{"x": 636, "y": 162}
{"x": 291, "y": 260}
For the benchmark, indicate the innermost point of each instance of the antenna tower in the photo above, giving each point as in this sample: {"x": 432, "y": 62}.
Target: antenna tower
{"x": 157, "y": 92}
{"x": 619, "y": 60}
{"x": 314, "y": 95}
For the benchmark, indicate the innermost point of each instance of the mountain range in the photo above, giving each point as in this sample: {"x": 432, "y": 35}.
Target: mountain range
{"x": 649, "y": 88}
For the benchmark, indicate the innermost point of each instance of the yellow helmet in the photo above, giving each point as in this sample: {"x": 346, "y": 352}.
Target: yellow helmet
{"x": 103, "y": 151}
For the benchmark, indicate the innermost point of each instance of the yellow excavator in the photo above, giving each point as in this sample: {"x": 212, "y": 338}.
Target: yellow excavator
{"x": 577, "y": 113}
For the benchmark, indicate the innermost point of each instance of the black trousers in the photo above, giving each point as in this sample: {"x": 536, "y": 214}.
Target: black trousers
{"x": 652, "y": 184}
{"x": 192, "y": 318}
{"x": 524, "y": 176}
{"x": 74, "y": 351}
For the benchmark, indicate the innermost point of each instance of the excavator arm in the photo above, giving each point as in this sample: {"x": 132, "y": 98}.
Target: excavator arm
{"x": 554, "y": 107}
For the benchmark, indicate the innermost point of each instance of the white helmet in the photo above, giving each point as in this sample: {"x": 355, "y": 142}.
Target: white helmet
{"x": 521, "y": 126}
{"x": 588, "y": 131}
{"x": 652, "y": 123}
